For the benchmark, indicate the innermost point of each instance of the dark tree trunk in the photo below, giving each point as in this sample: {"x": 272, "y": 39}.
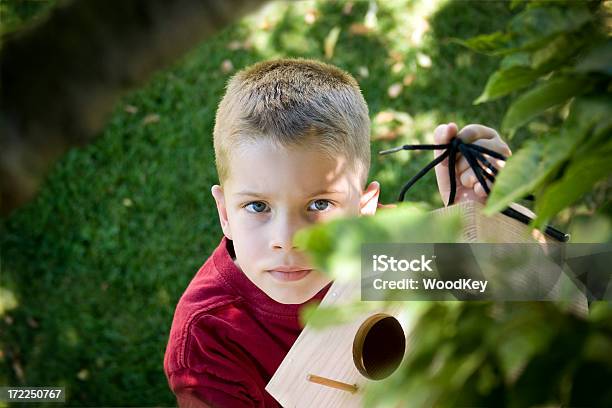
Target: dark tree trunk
{"x": 60, "y": 79}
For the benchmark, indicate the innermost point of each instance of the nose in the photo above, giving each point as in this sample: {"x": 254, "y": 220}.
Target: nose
{"x": 283, "y": 231}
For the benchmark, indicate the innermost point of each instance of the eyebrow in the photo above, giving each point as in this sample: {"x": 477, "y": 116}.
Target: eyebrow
{"x": 321, "y": 192}
{"x": 249, "y": 193}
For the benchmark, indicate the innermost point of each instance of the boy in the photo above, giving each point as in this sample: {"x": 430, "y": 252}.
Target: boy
{"x": 292, "y": 147}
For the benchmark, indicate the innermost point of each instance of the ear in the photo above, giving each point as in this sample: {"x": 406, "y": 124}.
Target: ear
{"x": 217, "y": 192}
{"x": 369, "y": 199}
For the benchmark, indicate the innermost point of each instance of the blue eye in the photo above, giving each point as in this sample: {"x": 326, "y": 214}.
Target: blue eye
{"x": 256, "y": 207}
{"x": 319, "y": 205}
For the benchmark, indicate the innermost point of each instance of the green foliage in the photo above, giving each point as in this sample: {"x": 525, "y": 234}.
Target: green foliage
{"x": 535, "y": 166}
{"x": 406, "y": 223}
{"x": 506, "y": 81}
{"x": 551, "y": 93}
{"x": 513, "y": 354}
{"x": 564, "y": 53}
{"x": 525, "y": 169}
{"x": 577, "y": 179}
{"x": 597, "y": 60}
{"x": 533, "y": 28}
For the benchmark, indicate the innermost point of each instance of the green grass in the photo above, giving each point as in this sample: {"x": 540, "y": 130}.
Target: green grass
{"x": 98, "y": 261}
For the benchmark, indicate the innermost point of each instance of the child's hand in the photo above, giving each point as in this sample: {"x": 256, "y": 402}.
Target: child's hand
{"x": 468, "y": 187}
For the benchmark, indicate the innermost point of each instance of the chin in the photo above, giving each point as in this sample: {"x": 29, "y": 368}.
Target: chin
{"x": 297, "y": 291}
{"x": 292, "y": 298}
{"x": 288, "y": 299}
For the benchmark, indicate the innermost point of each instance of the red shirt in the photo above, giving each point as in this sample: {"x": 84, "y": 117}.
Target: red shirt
{"x": 228, "y": 337}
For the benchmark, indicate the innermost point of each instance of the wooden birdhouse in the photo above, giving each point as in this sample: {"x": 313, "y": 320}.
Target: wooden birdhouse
{"x": 330, "y": 367}
{"x": 497, "y": 228}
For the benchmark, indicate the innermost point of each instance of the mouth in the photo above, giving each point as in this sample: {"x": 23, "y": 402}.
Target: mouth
{"x": 286, "y": 275}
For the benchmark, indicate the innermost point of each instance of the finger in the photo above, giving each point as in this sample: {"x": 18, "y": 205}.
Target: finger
{"x": 444, "y": 133}
{"x": 486, "y": 165}
{"x": 468, "y": 178}
{"x": 473, "y": 132}
{"x": 462, "y": 165}
{"x": 439, "y": 137}
{"x": 479, "y": 191}
{"x": 498, "y": 164}
{"x": 497, "y": 145}
{"x": 440, "y": 134}
{"x": 487, "y": 170}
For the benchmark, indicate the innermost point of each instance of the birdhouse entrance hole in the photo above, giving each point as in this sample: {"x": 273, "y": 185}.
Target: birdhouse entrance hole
{"x": 379, "y": 346}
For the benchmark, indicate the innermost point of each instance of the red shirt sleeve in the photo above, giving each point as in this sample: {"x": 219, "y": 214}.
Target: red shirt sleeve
{"x": 216, "y": 372}
{"x": 187, "y": 399}
{"x": 208, "y": 392}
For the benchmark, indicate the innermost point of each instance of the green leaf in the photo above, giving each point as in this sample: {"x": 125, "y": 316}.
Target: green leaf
{"x": 598, "y": 59}
{"x": 518, "y": 59}
{"x": 530, "y": 29}
{"x": 492, "y": 44}
{"x": 546, "y": 95}
{"x": 517, "y": 178}
{"x": 504, "y": 81}
{"x": 521, "y": 337}
{"x": 556, "y": 52}
{"x": 324, "y": 316}
{"x": 534, "y": 27}
{"x": 589, "y": 113}
{"x": 578, "y": 179}
{"x": 520, "y": 69}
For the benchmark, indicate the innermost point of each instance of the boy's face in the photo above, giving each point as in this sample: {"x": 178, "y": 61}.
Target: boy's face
{"x": 270, "y": 194}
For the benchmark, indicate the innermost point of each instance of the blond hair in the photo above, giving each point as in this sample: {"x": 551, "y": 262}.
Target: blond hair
{"x": 294, "y": 102}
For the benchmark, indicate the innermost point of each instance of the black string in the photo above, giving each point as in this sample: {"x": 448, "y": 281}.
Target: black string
{"x": 452, "y": 158}
{"x": 480, "y": 157}
{"x": 474, "y": 154}
{"x": 421, "y": 174}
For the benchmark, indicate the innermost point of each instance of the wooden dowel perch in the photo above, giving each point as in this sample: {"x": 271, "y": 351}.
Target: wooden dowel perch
{"x": 352, "y": 388}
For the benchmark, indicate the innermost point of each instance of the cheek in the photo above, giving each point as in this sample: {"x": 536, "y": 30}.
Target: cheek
{"x": 249, "y": 223}
{"x": 248, "y": 234}
{"x": 249, "y": 253}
